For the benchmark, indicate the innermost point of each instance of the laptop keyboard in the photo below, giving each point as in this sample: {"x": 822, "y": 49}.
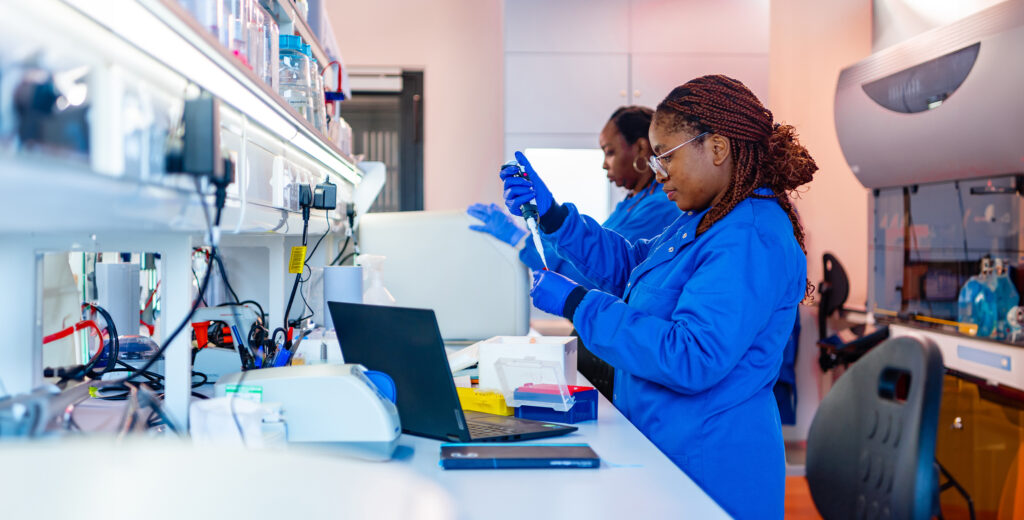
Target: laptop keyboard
{"x": 478, "y": 430}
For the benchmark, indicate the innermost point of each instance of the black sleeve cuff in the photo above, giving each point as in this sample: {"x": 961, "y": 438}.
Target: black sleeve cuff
{"x": 573, "y": 301}
{"x": 553, "y": 219}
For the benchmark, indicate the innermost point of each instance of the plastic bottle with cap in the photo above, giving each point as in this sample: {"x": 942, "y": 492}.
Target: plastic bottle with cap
{"x": 294, "y": 74}
{"x": 318, "y": 110}
{"x": 977, "y": 302}
{"x": 1006, "y": 296}
{"x": 376, "y": 293}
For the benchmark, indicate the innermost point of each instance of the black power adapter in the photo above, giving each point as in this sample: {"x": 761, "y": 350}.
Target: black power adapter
{"x": 325, "y": 196}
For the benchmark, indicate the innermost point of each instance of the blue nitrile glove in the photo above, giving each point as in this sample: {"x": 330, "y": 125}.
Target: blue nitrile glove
{"x": 519, "y": 191}
{"x": 554, "y": 293}
{"x": 496, "y": 222}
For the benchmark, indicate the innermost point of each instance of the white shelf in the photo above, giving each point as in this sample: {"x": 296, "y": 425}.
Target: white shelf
{"x": 146, "y": 52}
{"x": 156, "y": 47}
{"x": 68, "y": 198}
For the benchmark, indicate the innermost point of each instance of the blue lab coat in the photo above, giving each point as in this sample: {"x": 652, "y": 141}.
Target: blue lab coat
{"x": 695, "y": 327}
{"x": 644, "y": 215}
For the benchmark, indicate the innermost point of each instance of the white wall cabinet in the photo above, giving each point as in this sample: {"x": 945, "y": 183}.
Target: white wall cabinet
{"x": 699, "y": 26}
{"x": 569, "y": 64}
{"x": 563, "y": 92}
{"x": 653, "y": 76}
{"x": 566, "y": 26}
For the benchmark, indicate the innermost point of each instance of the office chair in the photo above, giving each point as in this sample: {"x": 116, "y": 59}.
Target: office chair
{"x": 871, "y": 446}
{"x": 849, "y": 344}
{"x": 834, "y": 289}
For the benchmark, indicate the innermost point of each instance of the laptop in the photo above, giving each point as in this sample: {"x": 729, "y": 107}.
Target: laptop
{"x": 406, "y": 344}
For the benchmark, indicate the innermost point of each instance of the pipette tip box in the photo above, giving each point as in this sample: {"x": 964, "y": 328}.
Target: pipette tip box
{"x": 584, "y": 406}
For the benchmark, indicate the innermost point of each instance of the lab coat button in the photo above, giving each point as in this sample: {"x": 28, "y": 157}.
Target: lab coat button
{"x": 672, "y": 248}
{"x": 684, "y": 235}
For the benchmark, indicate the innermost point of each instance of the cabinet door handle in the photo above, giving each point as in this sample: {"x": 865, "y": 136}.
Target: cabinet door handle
{"x": 622, "y": 93}
{"x": 636, "y": 93}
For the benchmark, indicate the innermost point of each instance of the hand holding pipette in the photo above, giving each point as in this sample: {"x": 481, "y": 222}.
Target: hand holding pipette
{"x": 526, "y": 196}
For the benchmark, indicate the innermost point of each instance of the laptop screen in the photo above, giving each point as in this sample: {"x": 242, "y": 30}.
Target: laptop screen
{"x": 406, "y": 345}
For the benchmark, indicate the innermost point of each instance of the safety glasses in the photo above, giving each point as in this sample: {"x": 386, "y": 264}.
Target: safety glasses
{"x": 655, "y": 160}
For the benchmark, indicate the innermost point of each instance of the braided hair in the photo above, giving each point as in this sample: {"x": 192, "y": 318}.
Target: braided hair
{"x": 765, "y": 154}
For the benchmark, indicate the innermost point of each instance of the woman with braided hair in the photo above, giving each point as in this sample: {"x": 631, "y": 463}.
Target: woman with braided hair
{"x": 695, "y": 320}
{"x": 644, "y": 213}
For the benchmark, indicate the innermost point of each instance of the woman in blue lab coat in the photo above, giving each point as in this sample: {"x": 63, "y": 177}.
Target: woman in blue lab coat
{"x": 696, "y": 319}
{"x": 644, "y": 213}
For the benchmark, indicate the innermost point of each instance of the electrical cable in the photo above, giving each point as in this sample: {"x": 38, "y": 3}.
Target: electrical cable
{"x": 129, "y": 419}
{"x": 263, "y": 315}
{"x": 95, "y": 282}
{"x": 78, "y": 371}
{"x": 350, "y": 234}
{"x": 115, "y": 343}
{"x": 346, "y": 257}
{"x": 72, "y": 329}
{"x": 302, "y": 285}
{"x": 153, "y": 402}
{"x": 202, "y": 287}
{"x": 198, "y": 283}
{"x": 149, "y": 301}
{"x": 341, "y": 251}
{"x": 327, "y": 218}
{"x": 152, "y": 295}
{"x": 224, "y": 276}
{"x": 295, "y": 286}
{"x": 305, "y": 265}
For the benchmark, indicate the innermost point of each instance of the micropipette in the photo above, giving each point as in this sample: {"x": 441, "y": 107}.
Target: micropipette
{"x": 530, "y": 215}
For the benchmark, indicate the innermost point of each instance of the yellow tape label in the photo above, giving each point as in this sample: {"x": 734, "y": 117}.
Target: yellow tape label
{"x": 297, "y": 260}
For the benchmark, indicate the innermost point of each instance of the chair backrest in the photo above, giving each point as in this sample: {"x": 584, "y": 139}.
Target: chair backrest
{"x": 871, "y": 446}
{"x": 834, "y": 289}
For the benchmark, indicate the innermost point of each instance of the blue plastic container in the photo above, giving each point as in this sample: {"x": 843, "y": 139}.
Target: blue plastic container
{"x": 1006, "y": 299}
{"x": 584, "y": 409}
{"x": 977, "y": 305}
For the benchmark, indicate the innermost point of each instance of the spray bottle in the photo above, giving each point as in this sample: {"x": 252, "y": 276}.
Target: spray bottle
{"x": 375, "y": 293}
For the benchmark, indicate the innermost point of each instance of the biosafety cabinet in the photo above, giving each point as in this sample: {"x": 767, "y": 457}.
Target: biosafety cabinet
{"x": 934, "y": 127}
{"x": 94, "y": 99}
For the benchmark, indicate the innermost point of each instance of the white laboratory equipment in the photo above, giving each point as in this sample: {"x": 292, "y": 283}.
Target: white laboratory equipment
{"x": 118, "y": 289}
{"x": 559, "y": 351}
{"x": 330, "y": 405}
{"x": 342, "y": 283}
{"x": 476, "y": 288}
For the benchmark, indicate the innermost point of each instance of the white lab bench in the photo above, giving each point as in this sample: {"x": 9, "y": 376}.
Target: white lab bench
{"x": 635, "y": 480}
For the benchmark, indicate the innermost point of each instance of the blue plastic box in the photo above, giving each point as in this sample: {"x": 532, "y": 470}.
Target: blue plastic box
{"x": 584, "y": 409}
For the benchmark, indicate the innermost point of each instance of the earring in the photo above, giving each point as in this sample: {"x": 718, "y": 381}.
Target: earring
{"x": 637, "y": 168}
